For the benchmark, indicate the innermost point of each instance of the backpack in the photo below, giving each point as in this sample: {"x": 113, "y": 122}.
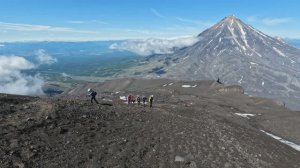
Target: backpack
{"x": 94, "y": 93}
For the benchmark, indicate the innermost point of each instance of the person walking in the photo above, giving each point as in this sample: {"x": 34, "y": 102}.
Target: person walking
{"x": 92, "y": 94}
{"x": 129, "y": 99}
{"x": 132, "y": 99}
{"x": 218, "y": 81}
{"x": 151, "y": 100}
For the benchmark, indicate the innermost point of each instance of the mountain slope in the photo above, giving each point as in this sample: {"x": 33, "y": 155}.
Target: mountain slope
{"x": 187, "y": 127}
{"x": 238, "y": 54}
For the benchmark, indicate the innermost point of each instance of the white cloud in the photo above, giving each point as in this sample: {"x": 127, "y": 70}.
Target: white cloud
{"x": 276, "y": 21}
{"x": 9, "y": 64}
{"x": 2, "y": 45}
{"x": 156, "y": 13}
{"x": 269, "y": 21}
{"x": 64, "y": 75}
{"x": 31, "y": 27}
{"x": 13, "y": 81}
{"x": 76, "y": 21}
{"x": 44, "y": 58}
{"x": 154, "y": 46}
{"x": 86, "y": 21}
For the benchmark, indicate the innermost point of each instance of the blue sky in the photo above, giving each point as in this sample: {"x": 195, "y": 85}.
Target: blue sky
{"x": 83, "y": 20}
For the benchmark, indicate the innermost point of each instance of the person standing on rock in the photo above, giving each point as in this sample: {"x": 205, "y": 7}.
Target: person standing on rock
{"x": 151, "y": 100}
{"x": 93, "y": 94}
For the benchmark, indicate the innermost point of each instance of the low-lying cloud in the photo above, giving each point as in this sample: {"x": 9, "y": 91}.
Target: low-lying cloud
{"x": 44, "y": 58}
{"x": 64, "y": 75}
{"x": 14, "y": 81}
{"x": 154, "y": 46}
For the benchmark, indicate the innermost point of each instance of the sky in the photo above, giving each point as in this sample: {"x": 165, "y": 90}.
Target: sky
{"x": 89, "y": 20}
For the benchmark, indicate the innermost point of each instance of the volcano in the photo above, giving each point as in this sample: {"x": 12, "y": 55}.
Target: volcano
{"x": 239, "y": 54}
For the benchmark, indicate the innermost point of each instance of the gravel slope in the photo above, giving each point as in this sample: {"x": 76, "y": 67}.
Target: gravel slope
{"x": 194, "y": 130}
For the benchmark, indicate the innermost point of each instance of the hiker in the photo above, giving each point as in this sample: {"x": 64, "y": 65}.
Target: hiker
{"x": 219, "y": 81}
{"x": 144, "y": 100}
{"x": 138, "y": 99}
{"x": 132, "y": 99}
{"x": 93, "y": 94}
{"x": 151, "y": 100}
{"x": 129, "y": 99}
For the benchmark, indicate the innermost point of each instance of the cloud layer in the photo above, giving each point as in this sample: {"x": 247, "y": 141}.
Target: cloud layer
{"x": 44, "y": 58}
{"x": 32, "y": 27}
{"x": 86, "y": 21}
{"x": 154, "y": 46}
{"x": 14, "y": 81}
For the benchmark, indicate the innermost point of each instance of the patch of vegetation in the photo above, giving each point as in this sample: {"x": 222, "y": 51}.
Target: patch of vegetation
{"x": 137, "y": 73}
{"x": 92, "y": 65}
{"x": 158, "y": 70}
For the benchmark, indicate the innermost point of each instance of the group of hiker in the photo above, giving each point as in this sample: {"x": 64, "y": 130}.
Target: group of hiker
{"x": 132, "y": 99}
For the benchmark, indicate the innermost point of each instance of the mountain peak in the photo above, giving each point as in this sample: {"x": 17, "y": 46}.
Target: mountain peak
{"x": 228, "y": 22}
{"x": 230, "y": 19}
